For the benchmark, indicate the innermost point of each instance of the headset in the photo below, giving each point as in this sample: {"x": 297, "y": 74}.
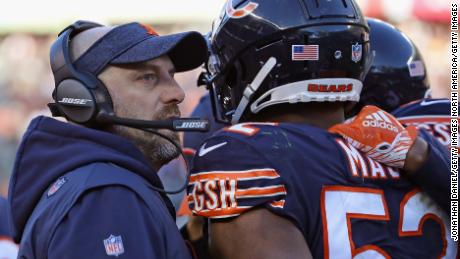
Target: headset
{"x": 78, "y": 96}
{"x": 82, "y": 98}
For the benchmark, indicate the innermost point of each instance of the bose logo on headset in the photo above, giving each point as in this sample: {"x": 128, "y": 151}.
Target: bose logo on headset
{"x": 192, "y": 125}
{"x": 75, "y": 101}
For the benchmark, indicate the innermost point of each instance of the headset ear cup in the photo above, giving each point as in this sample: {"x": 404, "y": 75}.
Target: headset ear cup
{"x": 75, "y": 101}
{"x": 80, "y": 103}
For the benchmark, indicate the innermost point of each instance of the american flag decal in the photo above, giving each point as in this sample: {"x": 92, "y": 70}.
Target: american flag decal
{"x": 305, "y": 52}
{"x": 416, "y": 68}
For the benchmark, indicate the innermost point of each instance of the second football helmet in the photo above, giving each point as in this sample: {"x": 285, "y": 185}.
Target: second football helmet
{"x": 397, "y": 75}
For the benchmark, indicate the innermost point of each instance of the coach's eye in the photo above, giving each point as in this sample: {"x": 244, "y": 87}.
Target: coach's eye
{"x": 148, "y": 78}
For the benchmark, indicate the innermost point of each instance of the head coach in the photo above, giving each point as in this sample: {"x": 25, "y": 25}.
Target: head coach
{"x": 89, "y": 188}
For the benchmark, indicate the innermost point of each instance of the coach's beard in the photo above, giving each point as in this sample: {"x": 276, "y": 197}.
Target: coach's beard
{"x": 156, "y": 149}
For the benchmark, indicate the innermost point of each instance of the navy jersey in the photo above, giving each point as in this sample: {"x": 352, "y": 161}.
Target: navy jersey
{"x": 344, "y": 203}
{"x": 432, "y": 115}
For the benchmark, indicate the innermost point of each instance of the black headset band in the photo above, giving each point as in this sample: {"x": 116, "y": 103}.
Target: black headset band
{"x": 61, "y": 58}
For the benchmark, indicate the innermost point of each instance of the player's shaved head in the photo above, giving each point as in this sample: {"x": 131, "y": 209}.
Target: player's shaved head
{"x": 84, "y": 40}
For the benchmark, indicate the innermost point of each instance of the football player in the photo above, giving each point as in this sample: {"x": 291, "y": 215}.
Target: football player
{"x": 397, "y": 82}
{"x": 279, "y": 185}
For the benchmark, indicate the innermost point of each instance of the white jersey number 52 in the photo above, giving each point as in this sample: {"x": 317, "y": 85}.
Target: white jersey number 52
{"x": 340, "y": 203}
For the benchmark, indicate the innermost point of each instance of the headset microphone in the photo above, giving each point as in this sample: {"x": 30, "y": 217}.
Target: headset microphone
{"x": 179, "y": 124}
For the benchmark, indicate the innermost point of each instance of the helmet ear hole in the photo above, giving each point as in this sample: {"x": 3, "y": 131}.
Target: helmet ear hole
{"x": 235, "y": 74}
{"x": 231, "y": 77}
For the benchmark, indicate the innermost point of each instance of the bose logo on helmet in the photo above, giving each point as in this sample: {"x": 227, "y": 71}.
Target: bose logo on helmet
{"x": 330, "y": 88}
{"x": 380, "y": 124}
{"x": 192, "y": 125}
{"x": 75, "y": 101}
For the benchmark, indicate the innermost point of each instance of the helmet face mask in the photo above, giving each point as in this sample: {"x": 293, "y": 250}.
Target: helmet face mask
{"x": 334, "y": 49}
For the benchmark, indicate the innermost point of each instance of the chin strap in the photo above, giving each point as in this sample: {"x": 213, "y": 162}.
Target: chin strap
{"x": 252, "y": 88}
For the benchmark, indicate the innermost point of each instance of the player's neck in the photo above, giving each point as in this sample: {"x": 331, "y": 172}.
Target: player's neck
{"x": 319, "y": 119}
{"x": 322, "y": 115}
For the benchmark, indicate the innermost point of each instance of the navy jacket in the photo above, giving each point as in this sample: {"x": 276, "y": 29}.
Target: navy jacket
{"x": 8, "y": 249}
{"x": 81, "y": 193}
{"x": 4, "y": 229}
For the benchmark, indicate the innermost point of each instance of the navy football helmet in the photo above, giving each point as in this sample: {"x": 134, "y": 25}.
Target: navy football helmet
{"x": 397, "y": 75}
{"x": 267, "y": 52}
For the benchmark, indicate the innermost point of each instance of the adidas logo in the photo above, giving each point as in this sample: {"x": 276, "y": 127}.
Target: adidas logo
{"x": 379, "y": 120}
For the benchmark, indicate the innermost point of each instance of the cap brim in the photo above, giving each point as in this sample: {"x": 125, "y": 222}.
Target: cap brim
{"x": 187, "y": 50}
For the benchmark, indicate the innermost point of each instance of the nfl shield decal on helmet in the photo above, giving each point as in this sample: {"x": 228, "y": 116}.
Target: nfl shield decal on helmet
{"x": 356, "y": 52}
{"x": 56, "y": 186}
{"x": 114, "y": 245}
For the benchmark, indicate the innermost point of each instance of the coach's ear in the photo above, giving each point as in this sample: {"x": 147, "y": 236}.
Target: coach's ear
{"x": 257, "y": 234}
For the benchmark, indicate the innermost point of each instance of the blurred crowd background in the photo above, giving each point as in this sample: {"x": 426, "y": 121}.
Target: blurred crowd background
{"x": 27, "y": 29}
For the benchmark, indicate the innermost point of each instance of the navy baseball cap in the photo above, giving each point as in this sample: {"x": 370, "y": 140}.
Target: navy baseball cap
{"x": 135, "y": 42}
